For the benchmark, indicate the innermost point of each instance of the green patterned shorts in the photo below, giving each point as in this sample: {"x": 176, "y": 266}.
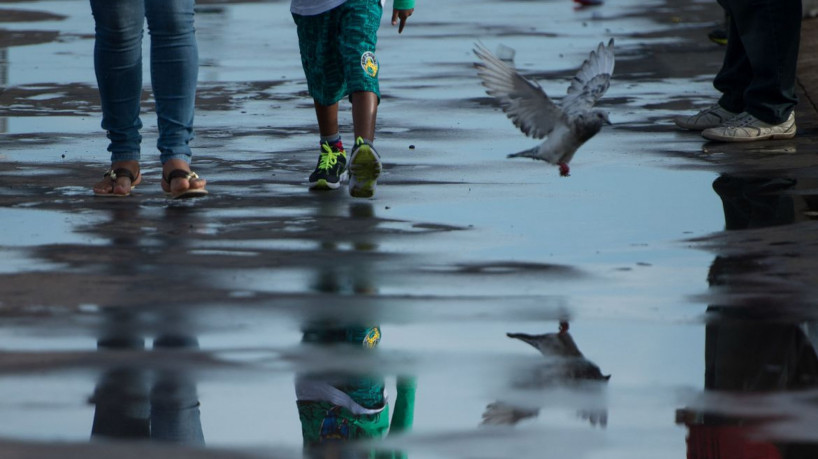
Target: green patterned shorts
{"x": 338, "y": 50}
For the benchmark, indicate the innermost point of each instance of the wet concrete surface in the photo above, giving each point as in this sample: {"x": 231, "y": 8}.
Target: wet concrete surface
{"x": 685, "y": 268}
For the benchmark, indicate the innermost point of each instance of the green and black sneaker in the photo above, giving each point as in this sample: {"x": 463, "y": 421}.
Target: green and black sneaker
{"x": 331, "y": 169}
{"x": 364, "y": 169}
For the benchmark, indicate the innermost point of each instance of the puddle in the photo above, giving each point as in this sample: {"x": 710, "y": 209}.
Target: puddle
{"x": 209, "y": 319}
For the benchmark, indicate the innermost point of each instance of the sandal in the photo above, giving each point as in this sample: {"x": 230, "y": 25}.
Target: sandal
{"x": 114, "y": 174}
{"x": 190, "y": 192}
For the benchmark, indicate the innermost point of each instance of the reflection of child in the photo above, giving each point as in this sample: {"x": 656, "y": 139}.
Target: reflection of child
{"x": 348, "y": 407}
{"x": 337, "y": 40}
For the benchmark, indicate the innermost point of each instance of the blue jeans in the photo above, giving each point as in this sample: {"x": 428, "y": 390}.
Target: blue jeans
{"x": 174, "y": 70}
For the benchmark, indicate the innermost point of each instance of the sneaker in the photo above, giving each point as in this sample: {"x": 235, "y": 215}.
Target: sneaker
{"x": 331, "y": 168}
{"x": 747, "y": 128}
{"x": 718, "y": 36}
{"x": 710, "y": 117}
{"x": 364, "y": 169}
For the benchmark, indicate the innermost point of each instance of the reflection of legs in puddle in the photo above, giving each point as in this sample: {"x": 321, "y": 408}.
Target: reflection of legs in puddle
{"x": 118, "y": 66}
{"x": 135, "y": 402}
{"x": 357, "y": 276}
{"x": 754, "y": 202}
{"x": 747, "y": 352}
{"x": 175, "y": 414}
{"x": 344, "y": 406}
{"x": 121, "y": 408}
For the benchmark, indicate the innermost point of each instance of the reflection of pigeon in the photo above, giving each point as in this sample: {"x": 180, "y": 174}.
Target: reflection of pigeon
{"x": 566, "y": 366}
{"x": 567, "y": 125}
{"x": 571, "y": 364}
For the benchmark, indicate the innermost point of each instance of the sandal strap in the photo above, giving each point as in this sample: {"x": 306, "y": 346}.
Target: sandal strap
{"x": 180, "y": 173}
{"x": 114, "y": 174}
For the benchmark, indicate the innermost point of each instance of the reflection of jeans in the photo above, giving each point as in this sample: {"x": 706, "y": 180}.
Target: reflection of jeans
{"x": 133, "y": 403}
{"x": 174, "y": 70}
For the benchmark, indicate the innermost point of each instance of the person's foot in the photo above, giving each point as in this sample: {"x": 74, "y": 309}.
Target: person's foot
{"x": 179, "y": 182}
{"x": 718, "y": 36}
{"x": 748, "y": 128}
{"x": 364, "y": 169}
{"x": 119, "y": 180}
{"x": 331, "y": 169}
{"x": 710, "y": 117}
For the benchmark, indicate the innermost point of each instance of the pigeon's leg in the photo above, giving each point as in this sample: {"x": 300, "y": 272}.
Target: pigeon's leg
{"x": 563, "y": 326}
{"x": 564, "y": 170}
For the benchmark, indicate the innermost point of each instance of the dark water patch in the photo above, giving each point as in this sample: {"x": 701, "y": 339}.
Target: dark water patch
{"x": 510, "y": 268}
{"x": 10, "y": 38}
{"x": 14, "y": 15}
{"x": 123, "y": 450}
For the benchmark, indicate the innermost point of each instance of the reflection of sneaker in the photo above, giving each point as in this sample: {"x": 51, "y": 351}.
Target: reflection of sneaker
{"x": 364, "y": 169}
{"x": 747, "y": 128}
{"x": 718, "y": 36}
{"x": 331, "y": 168}
{"x": 710, "y": 117}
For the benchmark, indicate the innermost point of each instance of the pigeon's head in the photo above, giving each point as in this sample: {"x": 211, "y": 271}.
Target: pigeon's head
{"x": 589, "y": 123}
{"x": 600, "y": 116}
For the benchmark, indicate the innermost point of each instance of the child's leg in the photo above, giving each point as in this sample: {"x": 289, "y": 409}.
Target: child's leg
{"x": 327, "y": 116}
{"x": 364, "y": 114}
{"x": 318, "y": 45}
{"x": 357, "y": 46}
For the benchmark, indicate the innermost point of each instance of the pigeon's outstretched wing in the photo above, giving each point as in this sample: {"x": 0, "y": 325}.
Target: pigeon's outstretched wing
{"x": 523, "y": 100}
{"x": 591, "y": 81}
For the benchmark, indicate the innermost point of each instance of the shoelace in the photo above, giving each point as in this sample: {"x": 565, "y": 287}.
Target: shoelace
{"x": 329, "y": 158}
{"x": 740, "y": 121}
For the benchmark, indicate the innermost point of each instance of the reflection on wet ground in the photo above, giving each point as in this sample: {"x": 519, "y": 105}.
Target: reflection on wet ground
{"x": 432, "y": 321}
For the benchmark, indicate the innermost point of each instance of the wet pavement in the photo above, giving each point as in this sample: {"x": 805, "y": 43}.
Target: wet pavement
{"x": 683, "y": 270}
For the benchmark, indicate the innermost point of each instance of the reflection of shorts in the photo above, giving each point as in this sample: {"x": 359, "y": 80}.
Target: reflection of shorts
{"x": 338, "y": 50}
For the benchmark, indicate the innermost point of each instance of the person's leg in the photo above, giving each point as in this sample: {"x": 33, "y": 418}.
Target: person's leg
{"x": 118, "y": 68}
{"x": 358, "y": 39}
{"x": 736, "y": 73}
{"x": 174, "y": 71}
{"x": 364, "y": 114}
{"x": 327, "y": 116}
{"x": 320, "y": 59}
{"x": 770, "y": 33}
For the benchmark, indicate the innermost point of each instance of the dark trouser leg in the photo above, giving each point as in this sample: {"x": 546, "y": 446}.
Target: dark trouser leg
{"x": 769, "y": 32}
{"x": 735, "y": 74}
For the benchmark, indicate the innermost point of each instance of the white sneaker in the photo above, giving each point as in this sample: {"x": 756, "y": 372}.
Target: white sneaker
{"x": 710, "y": 117}
{"x": 748, "y": 128}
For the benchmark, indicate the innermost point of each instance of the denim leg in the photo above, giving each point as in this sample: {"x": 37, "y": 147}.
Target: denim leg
{"x": 174, "y": 71}
{"x": 735, "y": 74}
{"x": 118, "y": 67}
{"x": 769, "y": 31}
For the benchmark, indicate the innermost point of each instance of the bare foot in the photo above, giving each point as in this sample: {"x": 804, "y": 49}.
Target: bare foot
{"x": 179, "y": 185}
{"x": 119, "y": 184}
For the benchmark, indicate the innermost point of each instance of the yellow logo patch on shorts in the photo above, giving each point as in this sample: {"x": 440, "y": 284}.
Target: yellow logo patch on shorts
{"x": 369, "y": 63}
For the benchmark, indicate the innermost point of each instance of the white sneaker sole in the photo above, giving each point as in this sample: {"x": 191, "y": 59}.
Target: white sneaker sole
{"x": 789, "y": 134}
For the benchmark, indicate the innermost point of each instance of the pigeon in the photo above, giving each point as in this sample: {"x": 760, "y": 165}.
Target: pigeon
{"x": 565, "y": 365}
{"x": 568, "y": 124}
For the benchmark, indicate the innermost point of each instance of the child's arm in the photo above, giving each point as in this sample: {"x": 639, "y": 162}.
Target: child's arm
{"x": 401, "y": 10}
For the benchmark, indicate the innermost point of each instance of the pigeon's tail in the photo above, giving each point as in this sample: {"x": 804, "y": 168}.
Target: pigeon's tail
{"x": 530, "y": 153}
{"x": 535, "y": 153}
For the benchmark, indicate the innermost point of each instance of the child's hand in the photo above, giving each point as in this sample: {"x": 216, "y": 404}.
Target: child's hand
{"x": 403, "y": 15}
